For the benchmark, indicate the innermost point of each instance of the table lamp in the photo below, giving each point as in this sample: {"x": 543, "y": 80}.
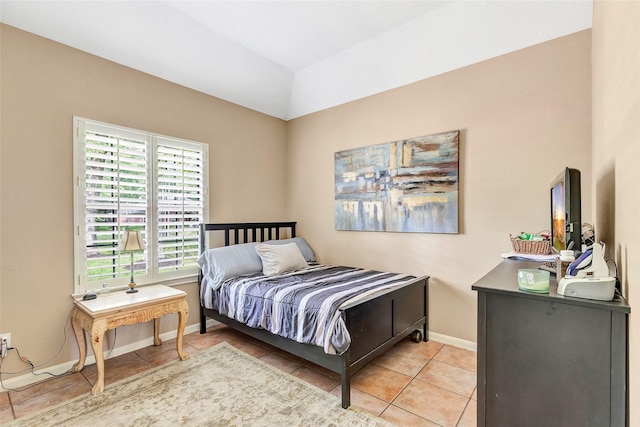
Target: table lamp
{"x": 131, "y": 242}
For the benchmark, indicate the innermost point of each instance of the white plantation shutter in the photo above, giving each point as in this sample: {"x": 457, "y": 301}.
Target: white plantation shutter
{"x": 115, "y": 195}
{"x": 132, "y": 180}
{"x": 180, "y": 201}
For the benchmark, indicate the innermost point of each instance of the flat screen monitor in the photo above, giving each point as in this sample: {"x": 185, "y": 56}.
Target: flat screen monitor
{"x": 566, "y": 211}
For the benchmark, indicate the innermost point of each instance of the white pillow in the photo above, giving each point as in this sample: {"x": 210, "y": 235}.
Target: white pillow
{"x": 278, "y": 259}
{"x": 304, "y": 247}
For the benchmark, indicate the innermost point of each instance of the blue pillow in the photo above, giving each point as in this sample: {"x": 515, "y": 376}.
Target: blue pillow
{"x": 220, "y": 264}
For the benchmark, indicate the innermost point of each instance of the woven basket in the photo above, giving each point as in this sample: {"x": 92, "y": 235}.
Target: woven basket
{"x": 538, "y": 247}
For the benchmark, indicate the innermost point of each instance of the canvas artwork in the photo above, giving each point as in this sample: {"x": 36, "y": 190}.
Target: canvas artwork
{"x": 404, "y": 186}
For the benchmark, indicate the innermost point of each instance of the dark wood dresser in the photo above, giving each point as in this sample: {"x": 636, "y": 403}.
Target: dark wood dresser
{"x": 548, "y": 360}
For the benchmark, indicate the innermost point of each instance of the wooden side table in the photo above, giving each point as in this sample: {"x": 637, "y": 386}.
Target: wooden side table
{"x": 120, "y": 308}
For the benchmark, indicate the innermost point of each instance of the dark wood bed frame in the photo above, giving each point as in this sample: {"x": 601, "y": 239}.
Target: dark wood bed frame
{"x": 375, "y": 324}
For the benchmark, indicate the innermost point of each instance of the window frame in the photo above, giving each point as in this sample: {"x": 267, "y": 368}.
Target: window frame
{"x": 151, "y": 256}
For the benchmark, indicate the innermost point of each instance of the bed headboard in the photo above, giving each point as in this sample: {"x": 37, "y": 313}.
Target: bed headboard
{"x": 245, "y": 232}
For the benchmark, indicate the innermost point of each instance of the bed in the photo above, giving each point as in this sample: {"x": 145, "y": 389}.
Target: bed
{"x": 373, "y": 321}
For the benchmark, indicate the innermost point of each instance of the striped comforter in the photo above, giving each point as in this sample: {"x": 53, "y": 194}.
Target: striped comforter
{"x": 302, "y": 305}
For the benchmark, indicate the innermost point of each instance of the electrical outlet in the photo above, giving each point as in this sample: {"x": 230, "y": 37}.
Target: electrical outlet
{"x": 5, "y": 342}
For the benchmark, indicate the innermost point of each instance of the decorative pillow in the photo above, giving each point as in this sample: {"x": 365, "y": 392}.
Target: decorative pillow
{"x": 220, "y": 264}
{"x": 304, "y": 247}
{"x": 278, "y": 259}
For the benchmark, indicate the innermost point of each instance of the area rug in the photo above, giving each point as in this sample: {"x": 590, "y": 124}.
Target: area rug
{"x": 220, "y": 386}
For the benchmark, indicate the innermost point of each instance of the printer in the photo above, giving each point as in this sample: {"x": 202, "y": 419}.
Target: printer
{"x": 588, "y": 277}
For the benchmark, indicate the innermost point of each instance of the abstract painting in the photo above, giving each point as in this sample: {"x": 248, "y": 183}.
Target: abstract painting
{"x": 409, "y": 186}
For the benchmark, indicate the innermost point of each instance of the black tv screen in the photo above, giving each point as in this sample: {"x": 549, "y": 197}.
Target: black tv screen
{"x": 566, "y": 211}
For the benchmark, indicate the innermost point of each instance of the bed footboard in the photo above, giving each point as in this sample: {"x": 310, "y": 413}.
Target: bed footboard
{"x": 379, "y": 323}
{"x": 394, "y": 314}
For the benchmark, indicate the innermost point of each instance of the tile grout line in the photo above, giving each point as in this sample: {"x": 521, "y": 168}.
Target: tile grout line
{"x": 463, "y": 411}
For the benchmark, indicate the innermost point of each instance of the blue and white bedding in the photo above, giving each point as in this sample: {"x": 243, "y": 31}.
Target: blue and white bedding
{"x": 302, "y": 305}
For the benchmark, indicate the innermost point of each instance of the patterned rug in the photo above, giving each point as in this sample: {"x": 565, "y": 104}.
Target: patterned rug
{"x": 220, "y": 386}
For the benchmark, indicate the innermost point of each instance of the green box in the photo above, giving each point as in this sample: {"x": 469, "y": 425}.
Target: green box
{"x": 530, "y": 280}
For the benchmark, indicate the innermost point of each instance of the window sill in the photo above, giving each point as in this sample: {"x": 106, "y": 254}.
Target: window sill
{"x": 170, "y": 282}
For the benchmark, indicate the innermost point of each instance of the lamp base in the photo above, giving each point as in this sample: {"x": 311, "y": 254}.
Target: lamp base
{"x": 132, "y": 288}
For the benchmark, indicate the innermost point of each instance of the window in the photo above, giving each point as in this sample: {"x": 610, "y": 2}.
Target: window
{"x": 127, "y": 179}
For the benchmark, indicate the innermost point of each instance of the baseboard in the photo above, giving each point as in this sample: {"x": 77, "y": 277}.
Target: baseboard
{"x": 456, "y": 342}
{"x": 29, "y": 378}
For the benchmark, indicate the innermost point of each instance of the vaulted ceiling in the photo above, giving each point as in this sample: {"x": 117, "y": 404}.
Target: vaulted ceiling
{"x": 291, "y": 58}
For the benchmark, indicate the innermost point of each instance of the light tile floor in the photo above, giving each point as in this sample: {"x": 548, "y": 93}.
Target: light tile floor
{"x": 412, "y": 384}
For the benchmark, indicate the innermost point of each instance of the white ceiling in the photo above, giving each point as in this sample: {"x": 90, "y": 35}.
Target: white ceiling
{"x": 291, "y": 58}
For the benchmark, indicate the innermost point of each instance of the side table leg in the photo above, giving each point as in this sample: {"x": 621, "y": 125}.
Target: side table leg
{"x": 156, "y": 332}
{"x": 97, "y": 337}
{"x": 183, "y": 313}
{"x": 80, "y": 339}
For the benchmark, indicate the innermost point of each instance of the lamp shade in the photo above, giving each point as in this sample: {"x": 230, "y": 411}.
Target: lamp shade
{"x": 132, "y": 241}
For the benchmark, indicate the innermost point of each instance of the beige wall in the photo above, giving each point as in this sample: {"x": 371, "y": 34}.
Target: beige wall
{"x": 522, "y": 117}
{"x": 616, "y": 153}
{"x": 44, "y": 84}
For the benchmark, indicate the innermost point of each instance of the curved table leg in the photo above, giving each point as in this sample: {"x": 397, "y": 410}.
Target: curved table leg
{"x": 156, "y": 332}
{"x": 80, "y": 339}
{"x": 183, "y": 313}
{"x": 97, "y": 337}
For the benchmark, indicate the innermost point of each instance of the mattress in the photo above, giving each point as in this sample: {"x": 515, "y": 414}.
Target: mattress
{"x": 302, "y": 305}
